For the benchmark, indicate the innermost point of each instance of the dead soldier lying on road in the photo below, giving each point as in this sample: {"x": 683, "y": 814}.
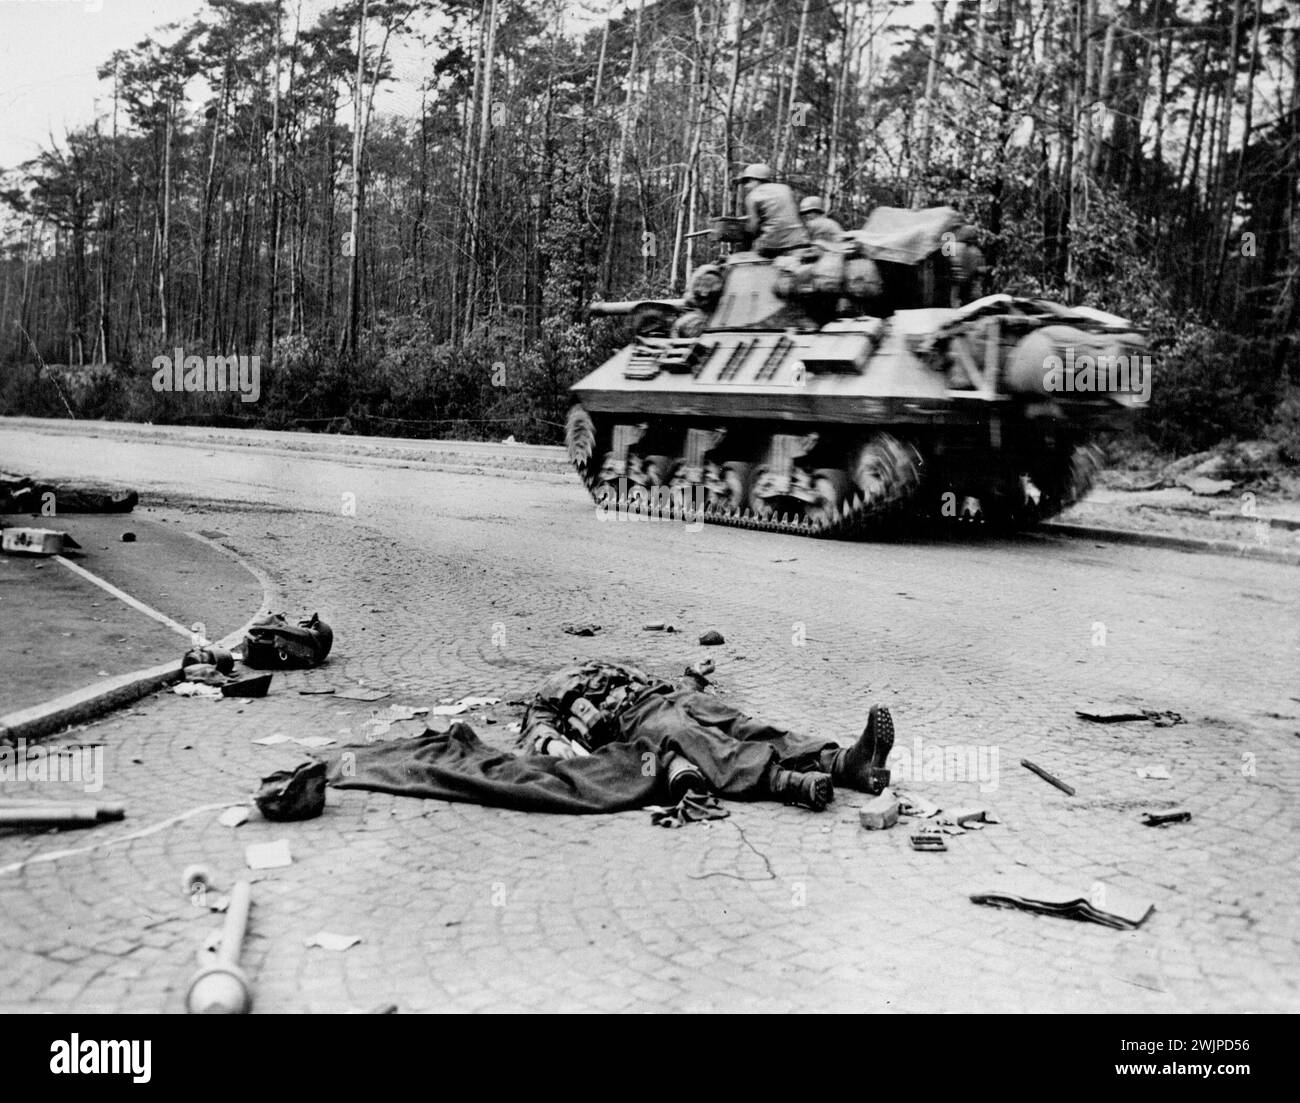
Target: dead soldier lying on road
{"x": 604, "y": 737}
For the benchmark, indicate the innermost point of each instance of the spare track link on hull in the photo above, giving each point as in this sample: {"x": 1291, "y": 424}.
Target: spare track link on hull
{"x": 897, "y": 478}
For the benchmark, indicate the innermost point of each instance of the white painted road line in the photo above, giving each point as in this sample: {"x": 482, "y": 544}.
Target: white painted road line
{"x": 121, "y": 595}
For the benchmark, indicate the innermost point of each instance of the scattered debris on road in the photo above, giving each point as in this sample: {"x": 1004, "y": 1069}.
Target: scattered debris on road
{"x": 28, "y": 541}
{"x": 358, "y": 693}
{"x": 268, "y": 855}
{"x": 928, "y": 838}
{"x": 1163, "y": 819}
{"x": 326, "y": 940}
{"x": 916, "y": 806}
{"x": 1101, "y": 904}
{"x": 198, "y": 689}
{"x": 880, "y": 813}
{"x": 692, "y": 808}
{"x": 711, "y": 638}
{"x": 1066, "y": 789}
{"x": 1110, "y": 713}
{"x": 700, "y": 672}
{"x": 63, "y": 814}
{"x": 234, "y": 816}
{"x": 196, "y": 877}
{"x": 1154, "y": 773}
{"x": 1120, "y": 713}
{"x": 218, "y": 657}
{"x": 221, "y": 987}
{"x": 257, "y": 686}
{"x": 970, "y": 818}
{"x": 581, "y": 629}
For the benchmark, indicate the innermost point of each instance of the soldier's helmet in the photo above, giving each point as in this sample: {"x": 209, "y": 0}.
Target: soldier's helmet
{"x": 758, "y": 171}
{"x": 812, "y": 205}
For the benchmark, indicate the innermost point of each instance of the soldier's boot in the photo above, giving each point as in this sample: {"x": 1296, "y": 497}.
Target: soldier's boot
{"x": 862, "y": 766}
{"x": 808, "y": 790}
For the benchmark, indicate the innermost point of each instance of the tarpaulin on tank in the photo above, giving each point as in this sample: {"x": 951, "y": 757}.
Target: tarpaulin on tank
{"x": 906, "y": 237}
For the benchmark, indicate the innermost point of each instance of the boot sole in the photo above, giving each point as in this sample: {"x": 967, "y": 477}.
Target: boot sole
{"x": 823, "y": 792}
{"x": 881, "y": 724}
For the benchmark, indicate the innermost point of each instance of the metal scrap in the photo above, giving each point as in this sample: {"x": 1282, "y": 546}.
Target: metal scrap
{"x": 1066, "y": 789}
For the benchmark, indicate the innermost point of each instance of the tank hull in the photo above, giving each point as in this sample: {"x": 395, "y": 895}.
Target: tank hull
{"x": 841, "y": 425}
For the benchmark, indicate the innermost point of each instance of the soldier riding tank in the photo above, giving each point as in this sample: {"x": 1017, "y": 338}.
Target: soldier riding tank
{"x": 848, "y": 385}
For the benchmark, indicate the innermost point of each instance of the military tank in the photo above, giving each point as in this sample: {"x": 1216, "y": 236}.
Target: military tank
{"x": 854, "y": 385}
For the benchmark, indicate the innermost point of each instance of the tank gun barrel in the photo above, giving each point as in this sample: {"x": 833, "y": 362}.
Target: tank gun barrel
{"x": 618, "y": 307}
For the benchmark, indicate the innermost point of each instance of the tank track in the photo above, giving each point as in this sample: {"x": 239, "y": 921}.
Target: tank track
{"x": 887, "y": 474}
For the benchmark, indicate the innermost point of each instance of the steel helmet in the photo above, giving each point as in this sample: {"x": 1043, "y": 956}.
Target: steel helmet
{"x": 757, "y": 171}
{"x": 812, "y": 204}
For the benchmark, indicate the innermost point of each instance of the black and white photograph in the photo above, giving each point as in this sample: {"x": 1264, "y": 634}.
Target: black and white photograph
{"x": 651, "y": 507}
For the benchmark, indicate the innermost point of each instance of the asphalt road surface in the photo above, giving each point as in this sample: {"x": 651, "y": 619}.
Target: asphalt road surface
{"x": 450, "y": 569}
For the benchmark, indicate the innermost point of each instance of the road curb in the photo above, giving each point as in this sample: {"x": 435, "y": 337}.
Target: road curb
{"x": 1232, "y": 548}
{"x": 94, "y": 701}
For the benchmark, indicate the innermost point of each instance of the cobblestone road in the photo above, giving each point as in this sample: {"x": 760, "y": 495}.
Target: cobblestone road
{"x": 445, "y": 583}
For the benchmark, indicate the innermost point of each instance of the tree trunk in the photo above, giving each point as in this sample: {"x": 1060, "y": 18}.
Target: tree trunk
{"x": 1230, "y": 193}
{"x": 694, "y": 126}
{"x": 480, "y": 160}
{"x": 919, "y": 188}
{"x": 354, "y": 221}
{"x": 1099, "y": 111}
{"x": 616, "y": 190}
{"x": 830, "y": 181}
{"x": 164, "y": 250}
{"x": 784, "y": 158}
{"x": 735, "y": 20}
{"x": 273, "y": 202}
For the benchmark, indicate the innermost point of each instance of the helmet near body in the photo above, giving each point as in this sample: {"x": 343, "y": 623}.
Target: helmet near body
{"x": 757, "y": 172}
{"x": 812, "y": 205}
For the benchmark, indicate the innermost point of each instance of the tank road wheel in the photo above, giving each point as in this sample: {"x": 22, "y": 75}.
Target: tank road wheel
{"x": 833, "y": 490}
{"x": 729, "y": 492}
{"x": 659, "y": 470}
{"x": 1068, "y": 479}
{"x": 640, "y": 499}
{"x": 887, "y": 472}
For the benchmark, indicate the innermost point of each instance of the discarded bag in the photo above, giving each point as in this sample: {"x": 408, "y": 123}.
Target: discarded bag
{"x": 274, "y": 643}
{"x": 297, "y": 794}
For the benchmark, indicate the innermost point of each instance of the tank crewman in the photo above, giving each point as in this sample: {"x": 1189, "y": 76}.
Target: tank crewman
{"x": 820, "y": 226}
{"x": 771, "y": 216}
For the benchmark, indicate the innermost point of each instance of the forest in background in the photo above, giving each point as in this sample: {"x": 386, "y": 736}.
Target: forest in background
{"x": 425, "y": 273}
